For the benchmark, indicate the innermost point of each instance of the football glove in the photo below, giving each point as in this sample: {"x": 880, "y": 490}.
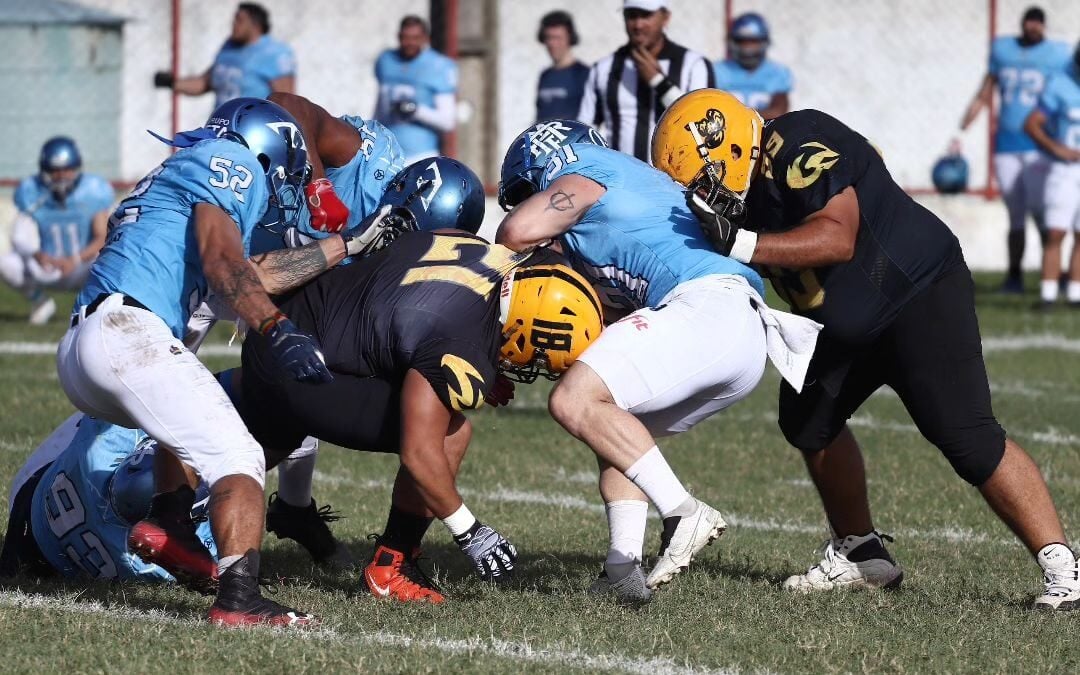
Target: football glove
{"x": 405, "y": 108}
{"x": 502, "y": 392}
{"x": 491, "y": 554}
{"x": 378, "y": 230}
{"x": 164, "y": 79}
{"x": 328, "y": 213}
{"x": 718, "y": 230}
{"x": 297, "y": 352}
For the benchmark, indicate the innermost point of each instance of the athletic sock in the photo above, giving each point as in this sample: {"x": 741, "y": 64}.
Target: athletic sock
{"x": 1072, "y": 293}
{"x": 655, "y": 478}
{"x": 227, "y": 562}
{"x": 627, "y": 519}
{"x": 1055, "y": 556}
{"x": 404, "y": 531}
{"x": 294, "y": 480}
{"x": 1048, "y": 290}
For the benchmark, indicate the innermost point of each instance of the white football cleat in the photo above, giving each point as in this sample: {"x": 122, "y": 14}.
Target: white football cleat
{"x": 1062, "y": 579}
{"x": 851, "y": 562}
{"x": 42, "y": 312}
{"x": 630, "y": 588}
{"x": 683, "y": 538}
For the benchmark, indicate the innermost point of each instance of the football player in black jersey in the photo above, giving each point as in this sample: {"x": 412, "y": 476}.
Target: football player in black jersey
{"x": 414, "y": 335}
{"x": 810, "y": 201}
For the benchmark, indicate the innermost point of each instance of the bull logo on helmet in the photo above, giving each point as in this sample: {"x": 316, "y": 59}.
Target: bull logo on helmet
{"x": 710, "y": 131}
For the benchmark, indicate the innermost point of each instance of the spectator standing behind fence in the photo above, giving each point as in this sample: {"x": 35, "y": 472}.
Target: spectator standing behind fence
{"x": 417, "y": 87}
{"x": 1019, "y": 67}
{"x": 60, "y": 227}
{"x": 561, "y": 85}
{"x": 758, "y": 82}
{"x": 1055, "y": 126}
{"x": 250, "y": 63}
{"x": 627, "y": 91}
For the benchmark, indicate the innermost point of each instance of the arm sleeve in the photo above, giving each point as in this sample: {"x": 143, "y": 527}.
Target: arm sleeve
{"x": 442, "y": 117}
{"x": 592, "y": 109}
{"x": 459, "y": 372}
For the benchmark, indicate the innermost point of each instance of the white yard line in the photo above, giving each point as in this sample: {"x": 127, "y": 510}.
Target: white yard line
{"x": 562, "y": 501}
{"x": 513, "y": 651}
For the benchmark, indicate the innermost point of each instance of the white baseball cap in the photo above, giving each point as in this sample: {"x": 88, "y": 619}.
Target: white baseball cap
{"x": 645, "y": 5}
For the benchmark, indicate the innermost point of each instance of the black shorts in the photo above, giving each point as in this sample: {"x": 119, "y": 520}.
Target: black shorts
{"x": 931, "y": 355}
{"x": 361, "y": 413}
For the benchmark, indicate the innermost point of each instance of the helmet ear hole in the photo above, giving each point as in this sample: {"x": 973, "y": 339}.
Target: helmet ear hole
{"x": 736, "y": 151}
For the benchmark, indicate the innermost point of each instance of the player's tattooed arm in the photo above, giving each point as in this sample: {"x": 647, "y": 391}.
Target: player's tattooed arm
{"x": 227, "y": 270}
{"x": 285, "y": 269}
{"x": 544, "y": 216}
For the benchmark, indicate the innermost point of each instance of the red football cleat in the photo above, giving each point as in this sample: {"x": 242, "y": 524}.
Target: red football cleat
{"x": 391, "y": 574}
{"x": 178, "y": 551}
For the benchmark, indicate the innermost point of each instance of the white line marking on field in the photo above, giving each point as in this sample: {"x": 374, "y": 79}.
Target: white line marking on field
{"x": 49, "y": 348}
{"x": 574, "y": 502}
{"x": 513, "y": 651}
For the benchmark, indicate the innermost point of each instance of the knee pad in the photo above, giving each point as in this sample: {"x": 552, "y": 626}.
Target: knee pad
{"x": 973, "y": 453}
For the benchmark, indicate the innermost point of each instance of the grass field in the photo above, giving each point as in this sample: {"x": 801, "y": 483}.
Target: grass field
{"x": 962, "y": 607}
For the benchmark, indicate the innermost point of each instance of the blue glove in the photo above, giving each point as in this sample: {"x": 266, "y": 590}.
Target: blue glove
{"x": 297, "y": 352}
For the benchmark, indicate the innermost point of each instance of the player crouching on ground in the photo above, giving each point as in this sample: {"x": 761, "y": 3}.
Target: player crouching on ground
{"x": 75, "y": 499}
{"x": 415, "y": 335}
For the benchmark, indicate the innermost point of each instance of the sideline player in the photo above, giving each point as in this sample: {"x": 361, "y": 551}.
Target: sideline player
{"x": 847, "y": 247}
{"x": 250, "y": 64}
{"x": 757, "y": 81}
{"x": 1055, "y": 126}
{"x": 82, "y": 489}
{"x": 1019, "y": 67}
{"x": 415, "y": 335}
{"x": 182, "y": 231}
{"x": 417, "y": 89}
{"x": 661, "y": 369}
{"x": 59, "y": 229}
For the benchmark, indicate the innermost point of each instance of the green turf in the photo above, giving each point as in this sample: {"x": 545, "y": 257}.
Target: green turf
{"x": 962, "y": 607}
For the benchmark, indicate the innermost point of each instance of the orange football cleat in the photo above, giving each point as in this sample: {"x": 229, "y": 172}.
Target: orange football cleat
{"x": 391, "y": 574}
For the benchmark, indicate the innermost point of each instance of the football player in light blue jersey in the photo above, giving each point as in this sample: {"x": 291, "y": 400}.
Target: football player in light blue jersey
{"x": 75, "y": 499}
{"x": 691, "y": 340}
{"x": 758, "y": 82}
{"x": 417, "y": 86}
{"x": 251, "y": 63}
{"x": 1055, "y": 126}
{"x": 1019, "y": 68}
{"x": 59, "y": 228}
{"x": 182, "y": 231}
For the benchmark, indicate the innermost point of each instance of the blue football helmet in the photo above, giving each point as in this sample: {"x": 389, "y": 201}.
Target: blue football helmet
{"x": 132, "y": 484}
{"x": 527, "y": 155}
{"x": 439, "y": 192}
{"x": 745, "y": 29}
{"x": 950, "y": 174}
{"x": 131, "y": 487}
{"x": 59, "y": 153}
{"x": 274, "y": 136}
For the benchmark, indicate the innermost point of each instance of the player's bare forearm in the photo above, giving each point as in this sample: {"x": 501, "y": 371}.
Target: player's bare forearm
{"x": 194, "y": 85}
{"x": 330, "y": 141}
{"x": 98, "y": 230}
{"x": 1035, "y": 126}
{"x": 288, "y": 268}
{"x": 547, "y": 214}
{"x": 286, "y": 84}
{"x": 227, "y": 270}
{"x": 826, "y": 237}
{"x": 778, "y": 105}
{"x": 424, "y": 421}
{"x": 983, "y": 97}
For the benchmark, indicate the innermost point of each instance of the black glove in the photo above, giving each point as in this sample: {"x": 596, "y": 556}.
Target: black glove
{"x": 378, "y": 229}
{"x": 491, "y": 554}
{"x": 719, "y": 230}
{"x": 297, "y": 352}
{"x": 164, "y": 80}
{"x": 405, "y": 108}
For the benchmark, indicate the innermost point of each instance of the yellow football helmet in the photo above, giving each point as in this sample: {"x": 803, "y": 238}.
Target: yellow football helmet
{"x": 549, "y": 314}
{"x": 711, "y": 143}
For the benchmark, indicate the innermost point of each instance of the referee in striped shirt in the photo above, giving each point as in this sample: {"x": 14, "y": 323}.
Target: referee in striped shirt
{"x": 628, "y": 91}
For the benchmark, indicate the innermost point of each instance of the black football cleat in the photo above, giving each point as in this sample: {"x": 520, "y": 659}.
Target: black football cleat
{"x": 308, "y": 527}
{"x": 240, "y": 603}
